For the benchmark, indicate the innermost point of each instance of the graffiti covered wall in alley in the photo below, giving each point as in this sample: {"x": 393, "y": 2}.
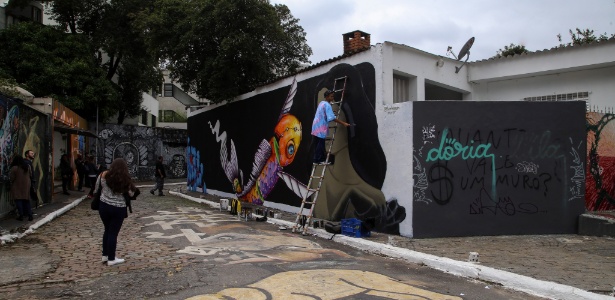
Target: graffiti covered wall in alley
{"x": 493, "y": 168}
{"x": 140, "y": 146}
{"x": 35, "y": 135}
{"x": 600, "y": 171}
{"x": 260, "y": 149}
{"x": 23, "y": 128}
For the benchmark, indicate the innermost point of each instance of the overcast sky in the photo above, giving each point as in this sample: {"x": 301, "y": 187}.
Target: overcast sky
{"x": 434, "y": 25}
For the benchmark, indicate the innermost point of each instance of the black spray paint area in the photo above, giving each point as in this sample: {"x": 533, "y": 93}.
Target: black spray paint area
{"x": 493, "y": 168}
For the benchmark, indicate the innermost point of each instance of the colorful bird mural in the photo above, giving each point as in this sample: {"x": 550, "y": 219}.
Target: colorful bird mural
{"x": 270, "y": 158}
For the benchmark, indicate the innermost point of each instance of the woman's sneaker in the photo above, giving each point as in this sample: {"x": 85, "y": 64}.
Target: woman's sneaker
{"x": 105, "y": 259}
{"x": 115, "y": 261}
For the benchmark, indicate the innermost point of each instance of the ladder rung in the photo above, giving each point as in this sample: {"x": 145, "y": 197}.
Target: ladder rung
{"x": 336, "y": 102}
{"x": 313, "y": 190}
{"x": 316, "y": 176}
{"x": 340, "y": 78}
{"x": 309, "y": 202}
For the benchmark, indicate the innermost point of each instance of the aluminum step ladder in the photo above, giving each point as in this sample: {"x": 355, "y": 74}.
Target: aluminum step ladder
{"x": 304, "y": 218}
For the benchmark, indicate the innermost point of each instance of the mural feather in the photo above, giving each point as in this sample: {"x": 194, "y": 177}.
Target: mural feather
{"x": 289, "y": 99}
{"x": 260, "y": 159}
{"x": 295, "y": 185}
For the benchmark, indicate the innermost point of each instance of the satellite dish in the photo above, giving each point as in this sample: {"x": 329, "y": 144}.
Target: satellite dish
{"x": 466, "y": 49}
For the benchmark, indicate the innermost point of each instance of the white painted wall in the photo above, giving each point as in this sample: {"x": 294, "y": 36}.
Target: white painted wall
{"x": 412, "y": 62}
{"x": 395, "y": 134}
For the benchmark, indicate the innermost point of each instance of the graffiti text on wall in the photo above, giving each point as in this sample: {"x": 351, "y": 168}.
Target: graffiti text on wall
{"x": 515, "y": 174}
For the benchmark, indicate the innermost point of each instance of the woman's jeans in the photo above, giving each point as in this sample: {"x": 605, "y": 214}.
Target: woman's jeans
{"x": 112, "y": 217}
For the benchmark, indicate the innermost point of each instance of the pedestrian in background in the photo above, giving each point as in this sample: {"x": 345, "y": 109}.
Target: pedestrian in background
{"x": 160, "y": 175}
{"x": 80, "y": 165}
{"x": 66, "y": 171}
{"x": 90, "y": 172}
{"x": 19, "y": 175}
{"x": 112, "y": 210}
{"x": 29, "y": 160}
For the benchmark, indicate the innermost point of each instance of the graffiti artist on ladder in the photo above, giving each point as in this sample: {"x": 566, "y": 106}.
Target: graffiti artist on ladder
{"x": 19, "y": 175}
{"x": 320, "y": 126}
{"x": 117, "y": 189}
{"x": 66, "y": 171}
{"x": 160, "y": 175}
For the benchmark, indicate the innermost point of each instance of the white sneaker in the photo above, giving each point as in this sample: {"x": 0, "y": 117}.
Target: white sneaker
{"x": 116, "y": 261}
{"x": 105, "y": 259}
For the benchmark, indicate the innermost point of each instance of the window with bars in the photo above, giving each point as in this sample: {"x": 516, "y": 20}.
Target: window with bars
{"x": 578, "y": 96}
{"x": 401, "y": 89}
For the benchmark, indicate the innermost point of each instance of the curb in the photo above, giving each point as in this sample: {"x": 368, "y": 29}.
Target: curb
{"x": 9, "y": 238}
{"x": 509, "y": 280}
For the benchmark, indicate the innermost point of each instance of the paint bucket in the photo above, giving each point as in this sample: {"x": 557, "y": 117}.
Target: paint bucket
{"x": 473, "y": 257}
{"x": 223, "y": 204}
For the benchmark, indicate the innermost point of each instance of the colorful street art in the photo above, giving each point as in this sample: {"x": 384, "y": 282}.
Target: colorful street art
{"x": 269, "y": 140}
{"x": 23, "y": 128}
{"x": 270, "y": 159}
{"x": 195, "y": 170}
{"x": 35, "y": 135}
{"x": 600, "y": 172}
{"x": 9, "y": 133}
{"x": 486, "y": 171}
{"x": 140, "y": 145}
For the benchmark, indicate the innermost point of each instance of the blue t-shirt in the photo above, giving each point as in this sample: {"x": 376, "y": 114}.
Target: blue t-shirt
{"x": 324, "y": 115}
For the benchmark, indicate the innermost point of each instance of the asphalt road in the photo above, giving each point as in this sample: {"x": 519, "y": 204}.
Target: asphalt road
{"x": 178, "y": 249}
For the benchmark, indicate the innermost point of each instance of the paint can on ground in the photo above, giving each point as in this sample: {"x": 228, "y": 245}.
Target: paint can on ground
{"x": 223, "y": 204}
{"x": 473, "y": 257}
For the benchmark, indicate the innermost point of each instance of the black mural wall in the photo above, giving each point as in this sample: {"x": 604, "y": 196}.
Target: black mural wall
{"x": 246, "y": 147}
{"x": 493, "y": 168}
{"x": 140, "y": 146}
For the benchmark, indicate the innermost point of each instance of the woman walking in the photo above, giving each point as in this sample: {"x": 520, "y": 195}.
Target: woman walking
{"x": 20, "y": 187}
{"x": 115, "y": 183}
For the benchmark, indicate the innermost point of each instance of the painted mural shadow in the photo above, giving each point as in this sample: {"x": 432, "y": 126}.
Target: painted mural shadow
{"x": 353, "y": 187}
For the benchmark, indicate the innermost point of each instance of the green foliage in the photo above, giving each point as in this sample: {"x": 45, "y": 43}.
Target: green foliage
{"x": 220, "y": 49}
{"x": 119, "y": 46}
{"x": 580, "y": 37}
{"x": 48, "y": 62}
{"x": 511, "y": 50}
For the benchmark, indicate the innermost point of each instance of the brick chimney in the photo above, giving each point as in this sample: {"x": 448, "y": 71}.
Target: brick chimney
{"x": 355, "y": 41}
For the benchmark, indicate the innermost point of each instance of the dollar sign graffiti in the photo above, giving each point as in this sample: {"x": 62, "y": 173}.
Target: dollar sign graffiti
{"x": 440, "y": 176}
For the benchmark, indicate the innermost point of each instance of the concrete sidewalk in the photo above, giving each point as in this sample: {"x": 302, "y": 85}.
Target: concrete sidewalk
{"x": 551, "y": 266}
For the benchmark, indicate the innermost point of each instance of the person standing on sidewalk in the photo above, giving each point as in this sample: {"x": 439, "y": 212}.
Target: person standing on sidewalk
{"x": 80, "y": 165}
{"x": 160, "y": 175}
{"x": 29, "y": 160}
{"x": 66, "y": 171}
{"x": 90, "y": 174}
{"x": 19, "y": 175}
{"x": 112, "y": 210}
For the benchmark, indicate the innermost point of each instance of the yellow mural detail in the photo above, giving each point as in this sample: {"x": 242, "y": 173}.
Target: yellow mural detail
{"x": 326, "y": 284}
{"x": 33, "y": 142}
